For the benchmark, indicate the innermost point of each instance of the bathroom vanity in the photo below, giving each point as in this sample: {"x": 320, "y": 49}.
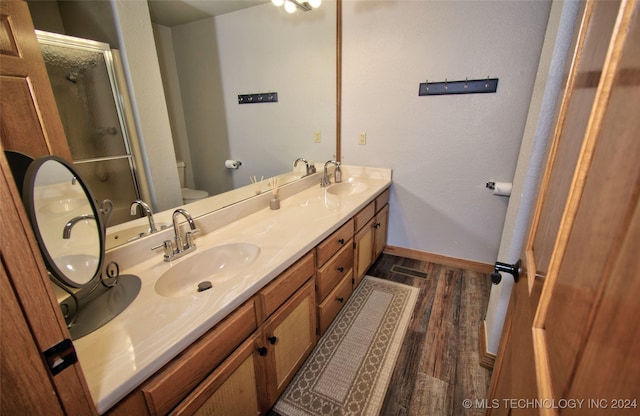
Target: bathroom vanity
{"x": 235, "y": 346}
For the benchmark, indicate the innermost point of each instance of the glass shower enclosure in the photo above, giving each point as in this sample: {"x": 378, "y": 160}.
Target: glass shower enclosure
{"x": 82, "y": 76}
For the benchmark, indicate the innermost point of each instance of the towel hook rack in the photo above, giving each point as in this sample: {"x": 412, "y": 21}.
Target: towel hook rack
{"x": 467, "y": 86}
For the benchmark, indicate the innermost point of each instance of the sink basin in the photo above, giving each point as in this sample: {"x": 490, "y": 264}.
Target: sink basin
{"x": 203, "y": 269}
{"x": 346, "y": 188}
{"x": 64, "y": 205}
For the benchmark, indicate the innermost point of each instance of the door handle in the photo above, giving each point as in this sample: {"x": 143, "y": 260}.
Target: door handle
{"x": 512, "y": 269}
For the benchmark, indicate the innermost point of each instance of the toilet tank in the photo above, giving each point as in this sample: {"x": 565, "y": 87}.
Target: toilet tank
{"x": 180, "y": 166}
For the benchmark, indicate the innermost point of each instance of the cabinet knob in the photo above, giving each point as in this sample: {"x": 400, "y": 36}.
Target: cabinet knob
{"x": 340, "y": 299}
{"x": 340, "y": 269}
{"x": 341, "y": 241}
{"x": 272, "y": 340}
{"x": 262, "y": 351}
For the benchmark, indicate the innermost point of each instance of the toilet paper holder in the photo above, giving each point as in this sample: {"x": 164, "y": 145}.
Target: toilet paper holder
{"x": 232, "y": 164}
{"x": 491, "y": 185}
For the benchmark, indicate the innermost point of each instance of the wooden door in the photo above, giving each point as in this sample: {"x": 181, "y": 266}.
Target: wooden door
{"x": 28, "y": 282}
{"x": 290, "y": 335}
{"x": 568, "y": 346}
{"x": 231, "y": 390}
{"x": 363, "y": 251}
{"x": 380, "y": 238}
{"x": 29, "y": 123}
{"x": 30, "y": 120}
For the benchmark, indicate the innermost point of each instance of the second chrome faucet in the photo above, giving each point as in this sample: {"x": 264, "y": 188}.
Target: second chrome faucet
{"x": 337, "y": 173}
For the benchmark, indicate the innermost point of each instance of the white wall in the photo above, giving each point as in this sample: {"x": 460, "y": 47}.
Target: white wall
{"x": 265, "y": 49}
{"x": 197, "y": 61}
{"x": 145, "y": 83}
{"x": 443, "y": 149}
{"x": 166, "y": 57}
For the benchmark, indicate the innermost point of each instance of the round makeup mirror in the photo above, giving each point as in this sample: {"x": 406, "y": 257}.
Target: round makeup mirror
{"x": 65, "y": 220}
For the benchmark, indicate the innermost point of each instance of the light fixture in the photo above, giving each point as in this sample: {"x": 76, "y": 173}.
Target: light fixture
{"x": 291, "y": 5}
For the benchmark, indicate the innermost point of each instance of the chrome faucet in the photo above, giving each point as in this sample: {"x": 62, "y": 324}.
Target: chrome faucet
{"x": 178, "y": 248}
{"x": 310, "y": 168}
{"x": 66, "y": 233}
{"x": 146, "y": 211}
{"x": 326, "y": 180}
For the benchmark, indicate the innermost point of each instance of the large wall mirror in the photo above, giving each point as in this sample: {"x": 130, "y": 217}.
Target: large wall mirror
{"x": 209, "y": 52}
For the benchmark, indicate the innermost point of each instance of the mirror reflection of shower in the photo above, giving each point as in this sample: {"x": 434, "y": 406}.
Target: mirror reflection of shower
{"x": 82, "y": 76}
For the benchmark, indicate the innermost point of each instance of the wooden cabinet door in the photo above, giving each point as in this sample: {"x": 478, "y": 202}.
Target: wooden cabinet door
{"x": 30, "y": 120}
{"x": 28, "y": 285}
{"x": 380, "y": 239}
{"x": 567, "y": 335}
{"x": 232, "y": 389}
{"x": 363, "y": 256}
{"x": 289, "y": 338}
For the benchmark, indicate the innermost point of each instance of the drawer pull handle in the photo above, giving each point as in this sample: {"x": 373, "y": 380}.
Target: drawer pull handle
{"x": 340, "y": 269}
{"x": 341, "y": 241}
{"x": 272, "y": 340}
{"x": 340, "y": 299}
{"x": 262, "y": 351}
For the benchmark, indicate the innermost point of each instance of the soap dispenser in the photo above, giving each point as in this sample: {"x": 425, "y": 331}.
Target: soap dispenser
{"x": 337, "y": 173}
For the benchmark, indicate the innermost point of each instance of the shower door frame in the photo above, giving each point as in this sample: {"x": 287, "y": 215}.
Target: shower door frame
{"x": 55, "y": 39}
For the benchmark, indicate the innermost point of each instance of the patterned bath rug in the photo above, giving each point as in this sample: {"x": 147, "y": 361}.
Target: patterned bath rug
{"x": 349, "y": 370}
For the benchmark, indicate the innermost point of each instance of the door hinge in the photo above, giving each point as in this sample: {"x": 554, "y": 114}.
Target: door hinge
{"x": 61, "y": 356}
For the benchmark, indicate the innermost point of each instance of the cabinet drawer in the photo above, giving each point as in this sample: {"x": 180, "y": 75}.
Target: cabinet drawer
{"x": 382, "y": 199}
{"x": 365, "y": 215}
{"x": 285, "y": 285}
{"x": 330, "y": 307}
{"x": 335, "y": 269}
{"x": 334, "y": 242}
{"x": 177, "y": 379}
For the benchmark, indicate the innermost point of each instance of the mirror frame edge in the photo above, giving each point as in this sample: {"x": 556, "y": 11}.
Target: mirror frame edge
{"x": 29, "y": 205}
{"x": 338, "y": 79}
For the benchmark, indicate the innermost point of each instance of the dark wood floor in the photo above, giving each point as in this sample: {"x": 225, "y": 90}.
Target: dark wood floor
{"x": 438, "y": 366}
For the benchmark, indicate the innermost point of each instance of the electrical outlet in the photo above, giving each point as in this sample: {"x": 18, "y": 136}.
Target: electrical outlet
{"x": 316, "y": 137}
{"x": 362, "y": 137}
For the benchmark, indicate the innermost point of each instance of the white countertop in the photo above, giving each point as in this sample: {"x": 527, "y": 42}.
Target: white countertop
{"x": 122, "y": 354}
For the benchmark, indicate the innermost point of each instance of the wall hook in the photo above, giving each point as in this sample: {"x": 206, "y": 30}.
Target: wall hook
{"x": 262, "y": 97}
{"x": 466, "y": 86}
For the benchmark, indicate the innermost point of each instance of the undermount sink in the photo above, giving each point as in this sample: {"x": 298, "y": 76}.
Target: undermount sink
{"x": 346, "y": 188}
{"x": 63, "y": 205}
{"x": 201, "y": 270}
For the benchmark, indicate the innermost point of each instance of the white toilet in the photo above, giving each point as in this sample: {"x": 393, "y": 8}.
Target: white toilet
{"x": 188, "y": 195}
